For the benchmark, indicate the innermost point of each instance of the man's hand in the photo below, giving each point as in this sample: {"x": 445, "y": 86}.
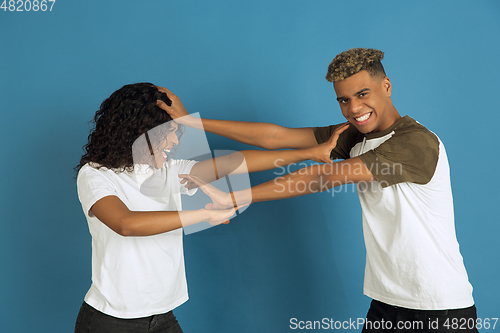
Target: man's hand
{"x": 176, "y": 110}
{"x": 321, "y": 153}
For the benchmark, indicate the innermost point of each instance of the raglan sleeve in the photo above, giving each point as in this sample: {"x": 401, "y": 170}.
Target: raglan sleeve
{"x": 346, "y": 141}
{"x": 92, "y": 186}
{"x": 407, "y": 157}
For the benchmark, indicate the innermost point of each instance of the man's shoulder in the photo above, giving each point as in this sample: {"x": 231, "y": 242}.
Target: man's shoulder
{"x": 411, "y": 127}
{"x": 410, "y": 135}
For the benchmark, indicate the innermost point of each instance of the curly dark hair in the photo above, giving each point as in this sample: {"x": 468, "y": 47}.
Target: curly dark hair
{"x": 353, "y": 61}
{"x": 127, "y": 114}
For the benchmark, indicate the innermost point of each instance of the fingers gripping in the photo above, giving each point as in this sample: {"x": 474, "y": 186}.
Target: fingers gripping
{"x": 335, "y": 136}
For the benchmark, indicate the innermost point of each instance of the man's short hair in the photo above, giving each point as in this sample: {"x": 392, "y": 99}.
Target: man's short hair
{"x": 353, "y": 61}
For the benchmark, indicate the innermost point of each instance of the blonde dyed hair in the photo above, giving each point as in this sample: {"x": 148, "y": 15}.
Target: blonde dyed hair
{"x": 353, "y": 61}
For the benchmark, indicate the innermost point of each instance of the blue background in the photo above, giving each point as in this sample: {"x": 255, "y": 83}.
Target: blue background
{"x": 241, "y": 60}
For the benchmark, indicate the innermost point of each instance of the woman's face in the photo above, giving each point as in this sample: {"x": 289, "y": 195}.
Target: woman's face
{"x": 166, "y": 145}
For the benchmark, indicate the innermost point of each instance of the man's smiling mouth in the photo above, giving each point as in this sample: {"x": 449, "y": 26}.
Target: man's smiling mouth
{"x": 363, "y": 117}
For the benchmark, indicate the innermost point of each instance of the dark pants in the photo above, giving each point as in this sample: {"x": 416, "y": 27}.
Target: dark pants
{"x": 387, "y": 318}
{"x": 92, "y": 321}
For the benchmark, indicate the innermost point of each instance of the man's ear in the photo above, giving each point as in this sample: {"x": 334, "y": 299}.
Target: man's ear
{"x": 386, "y": 86}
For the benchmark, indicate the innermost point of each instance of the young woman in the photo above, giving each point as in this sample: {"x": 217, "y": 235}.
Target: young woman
{"x": 130, "y": 190}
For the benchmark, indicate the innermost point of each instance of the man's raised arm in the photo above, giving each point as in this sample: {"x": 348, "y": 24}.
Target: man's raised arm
{"x": 264, "y": 135}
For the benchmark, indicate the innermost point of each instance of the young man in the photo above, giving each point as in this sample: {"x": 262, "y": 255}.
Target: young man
{"x": 414, "y": 271}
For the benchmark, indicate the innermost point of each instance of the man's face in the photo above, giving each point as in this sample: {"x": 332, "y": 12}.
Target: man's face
{"x": 365, "y": 102}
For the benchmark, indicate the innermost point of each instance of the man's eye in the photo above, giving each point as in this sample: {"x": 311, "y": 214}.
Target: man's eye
{"x": 343, "y": 101}
{"x": 362, "y": 95}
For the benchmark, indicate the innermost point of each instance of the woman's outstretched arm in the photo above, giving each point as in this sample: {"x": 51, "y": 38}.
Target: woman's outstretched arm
{"x": 115, "y": 214}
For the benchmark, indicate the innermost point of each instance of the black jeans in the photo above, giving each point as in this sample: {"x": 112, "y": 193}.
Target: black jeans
{"x": 387, "y": 318}
{"x": 92, "y": 321}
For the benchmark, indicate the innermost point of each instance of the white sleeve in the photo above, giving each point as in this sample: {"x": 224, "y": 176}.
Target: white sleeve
{"x": 92, "y": 186}
{"x": 184, "y": 167}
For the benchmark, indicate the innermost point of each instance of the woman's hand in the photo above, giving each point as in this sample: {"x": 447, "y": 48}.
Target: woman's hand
{"x": 176, "y": 110}
{"x": 221, "y": 199}
{"x": 222, "y": 207}
{"x": 218, "y": 216}
{"x": 321, "y": 153}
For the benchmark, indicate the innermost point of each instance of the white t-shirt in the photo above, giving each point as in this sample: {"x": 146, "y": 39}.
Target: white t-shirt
{"x": 412, "y": 254}
{"x": 135, "y": 277}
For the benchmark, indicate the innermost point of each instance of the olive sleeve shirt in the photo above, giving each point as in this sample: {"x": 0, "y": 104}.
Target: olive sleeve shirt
{"x": 410, "y": 154}
{"x": 412, "y": 254}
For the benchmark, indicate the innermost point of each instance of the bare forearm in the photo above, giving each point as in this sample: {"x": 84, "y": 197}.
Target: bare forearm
{"x": 260, "y": 160}
{"x": 256, "y": 134}
{"x": 305, "y": 181}
{"x": 248, "y": 161}
{"x": 136, "y": 223}
{"x": 115, "y": 214}
{"x": 264, "y": 135}
{"x": 312, "y": 179}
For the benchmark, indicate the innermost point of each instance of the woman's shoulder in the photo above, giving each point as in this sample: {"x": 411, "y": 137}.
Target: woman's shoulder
{"x": 92, "y": 167}
{"x": 94, "y": 171}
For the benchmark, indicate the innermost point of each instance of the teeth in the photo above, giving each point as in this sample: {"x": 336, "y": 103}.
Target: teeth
{"x": 364, "y": 117}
